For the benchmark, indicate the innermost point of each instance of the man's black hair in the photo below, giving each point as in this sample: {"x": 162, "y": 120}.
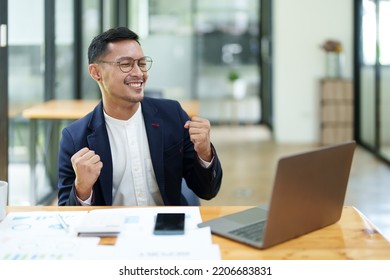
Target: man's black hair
{"x": 98, "y": 46}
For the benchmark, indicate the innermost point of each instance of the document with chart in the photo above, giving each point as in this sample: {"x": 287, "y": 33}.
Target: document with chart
{"x": 56, "y": 235}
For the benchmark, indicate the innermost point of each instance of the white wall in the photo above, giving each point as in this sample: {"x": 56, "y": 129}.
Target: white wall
{"x": 300, "y": 27}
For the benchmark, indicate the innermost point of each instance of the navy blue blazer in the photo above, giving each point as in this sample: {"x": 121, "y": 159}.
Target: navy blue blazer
{"x": 172, "y": 152}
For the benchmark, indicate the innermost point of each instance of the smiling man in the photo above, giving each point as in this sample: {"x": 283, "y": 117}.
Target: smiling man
{"x": 133, "y": 150}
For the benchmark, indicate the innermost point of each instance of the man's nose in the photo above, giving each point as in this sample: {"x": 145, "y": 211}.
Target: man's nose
{"x": 136, "y": 70}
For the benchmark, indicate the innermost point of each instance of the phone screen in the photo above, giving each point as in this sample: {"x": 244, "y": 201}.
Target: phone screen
{"x": 169, "y": 224}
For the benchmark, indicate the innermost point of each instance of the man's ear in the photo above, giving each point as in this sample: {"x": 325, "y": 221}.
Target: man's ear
{"x": 94, "y": 72}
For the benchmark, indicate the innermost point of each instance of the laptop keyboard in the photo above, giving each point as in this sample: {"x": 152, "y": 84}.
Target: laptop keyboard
{"x": 252, "y": 232}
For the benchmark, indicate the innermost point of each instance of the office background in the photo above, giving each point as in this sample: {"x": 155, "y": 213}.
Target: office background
{"x": 198, "y": 46}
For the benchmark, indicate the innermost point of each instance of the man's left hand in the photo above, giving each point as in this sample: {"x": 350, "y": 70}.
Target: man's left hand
{"x": 199, "y": 130}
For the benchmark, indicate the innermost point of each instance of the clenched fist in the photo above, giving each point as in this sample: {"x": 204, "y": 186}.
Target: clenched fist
{"x": 87, "y": 166}
{"x": 199, "y": 130}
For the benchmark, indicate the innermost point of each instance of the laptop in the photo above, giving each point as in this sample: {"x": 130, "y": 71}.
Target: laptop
{"x": 308, "y": 194}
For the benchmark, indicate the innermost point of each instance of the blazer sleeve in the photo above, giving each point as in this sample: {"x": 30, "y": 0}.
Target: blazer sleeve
{"x": 66, "y": 175}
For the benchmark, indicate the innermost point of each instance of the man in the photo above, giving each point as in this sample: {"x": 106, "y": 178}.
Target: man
{"x": 131, "y": 149}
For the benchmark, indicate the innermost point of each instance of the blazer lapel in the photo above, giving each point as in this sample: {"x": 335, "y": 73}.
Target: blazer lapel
{"x": 154, "y": 129}
{"x": 98, "y": 142}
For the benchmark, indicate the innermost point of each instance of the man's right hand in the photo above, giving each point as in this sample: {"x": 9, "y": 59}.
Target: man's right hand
{"x": 87, "y": 166}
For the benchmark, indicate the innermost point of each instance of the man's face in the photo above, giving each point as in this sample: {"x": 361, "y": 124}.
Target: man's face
{"x": 119, "y": 86}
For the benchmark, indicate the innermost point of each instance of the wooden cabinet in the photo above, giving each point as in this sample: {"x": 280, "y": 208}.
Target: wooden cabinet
{"x": 337, "y": 111}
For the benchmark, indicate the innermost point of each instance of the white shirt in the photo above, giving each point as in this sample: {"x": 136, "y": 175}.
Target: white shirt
{"x": 134, "y": 182}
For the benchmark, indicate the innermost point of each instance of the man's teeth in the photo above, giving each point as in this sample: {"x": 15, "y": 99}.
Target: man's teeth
{"x": 135, "y": 84}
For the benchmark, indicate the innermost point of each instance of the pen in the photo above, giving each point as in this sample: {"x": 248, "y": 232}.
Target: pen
{"x": 64, "y": 225}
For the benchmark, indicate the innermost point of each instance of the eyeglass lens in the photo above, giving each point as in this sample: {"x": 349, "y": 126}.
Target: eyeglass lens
{"x": 143, "y": 63}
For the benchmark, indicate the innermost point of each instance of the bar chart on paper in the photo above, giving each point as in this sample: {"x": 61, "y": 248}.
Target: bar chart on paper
{"x": 39, "y": 236}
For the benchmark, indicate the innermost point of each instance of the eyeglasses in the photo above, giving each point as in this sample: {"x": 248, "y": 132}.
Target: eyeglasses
{"x": 127, "y": 64}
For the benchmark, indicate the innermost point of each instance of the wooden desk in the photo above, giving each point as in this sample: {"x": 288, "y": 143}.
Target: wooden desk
{"x": 57, "y": 110}
{"x": 353, "y": 237}
{"x": 76, "y": 109}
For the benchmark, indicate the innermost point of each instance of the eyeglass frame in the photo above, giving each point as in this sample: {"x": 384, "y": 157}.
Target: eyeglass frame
{"x": 148, "y": 59}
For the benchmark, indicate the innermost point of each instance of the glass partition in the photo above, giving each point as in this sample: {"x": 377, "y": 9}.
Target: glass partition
{"x": 384, "y": 74}
{"x": 26, "y": 88}
{"x": 165, "y": 28}
{"x": 90, "y": 28}
{"x": 374, "y": 79}
{"x": 367, "y": 74}
{"x": 64, "y": 42}
{"x": 227, "y": 59}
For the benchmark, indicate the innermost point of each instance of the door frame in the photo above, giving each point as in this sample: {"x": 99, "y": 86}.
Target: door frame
{"x": 266, "y": 62}
{"x": 4, "y": 90}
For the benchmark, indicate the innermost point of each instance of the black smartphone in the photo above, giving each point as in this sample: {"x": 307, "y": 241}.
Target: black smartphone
{"x": 169, "y": 224}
